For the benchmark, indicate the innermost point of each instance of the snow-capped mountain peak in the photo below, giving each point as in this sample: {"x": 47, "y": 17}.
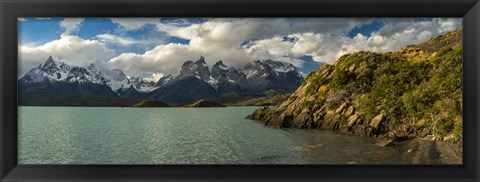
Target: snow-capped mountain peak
{"x": 256, "y": 76}
{"x": 94, "y": 73}
{"x": 143, "y": 85}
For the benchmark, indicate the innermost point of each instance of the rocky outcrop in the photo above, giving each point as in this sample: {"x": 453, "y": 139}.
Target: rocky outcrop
{"x": 198, "y": 69}
{"x": 395, "y": 96}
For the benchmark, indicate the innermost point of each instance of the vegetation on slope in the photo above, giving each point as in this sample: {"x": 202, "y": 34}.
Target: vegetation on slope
{"x": 205, "y": 103}
{"x": 413, "y": 92}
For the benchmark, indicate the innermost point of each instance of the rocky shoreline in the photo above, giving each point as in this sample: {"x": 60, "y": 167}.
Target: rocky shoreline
{"x": 410, "y": 97}
{"x": 431, "y": 151}
{"x": 417, "y": 148}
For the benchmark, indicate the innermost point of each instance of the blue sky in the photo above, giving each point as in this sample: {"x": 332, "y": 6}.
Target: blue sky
{"x": 157, "y": 46}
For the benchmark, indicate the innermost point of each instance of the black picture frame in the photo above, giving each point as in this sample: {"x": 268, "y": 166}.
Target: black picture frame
{"x": 10, "y": 10}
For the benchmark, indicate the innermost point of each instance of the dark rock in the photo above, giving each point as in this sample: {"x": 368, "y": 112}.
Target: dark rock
{"x": 359, "y": 130}
{"x": 384, "y": 141}
{"x": 344, "y": 129}
{"x": 369, "y": 131}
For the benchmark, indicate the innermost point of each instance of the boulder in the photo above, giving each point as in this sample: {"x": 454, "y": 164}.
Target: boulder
{"x": 352, "y": 120}
{"x": 349, "y": 111}
{"x": 375, "y": 123}
{"x": 384, "y": 141}
{"x": 329, "y": 115}
{"x": 341, "y": 108}
{"x": 402, "y": 132}
{"x": 352, "y": 68}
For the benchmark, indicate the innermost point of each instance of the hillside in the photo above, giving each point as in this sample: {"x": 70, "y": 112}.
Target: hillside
{"x": 205, "y": 103}
{"x": 414, "y": 92}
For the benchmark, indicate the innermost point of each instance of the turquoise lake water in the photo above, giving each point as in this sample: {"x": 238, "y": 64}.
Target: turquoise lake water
{"x": 100, "y": 135}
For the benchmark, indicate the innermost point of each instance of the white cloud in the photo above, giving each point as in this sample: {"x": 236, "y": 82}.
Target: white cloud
{"x": 397, "y": 34}
{"x": 70, "y": 49}
{"x": 126, "y": 41}
{"x": 71, "y": 25}
{"x": 221, "y": 39}
{"x": 163, "y": 59}
{"x": 130, "y": 24}
{"x": 323, "y": 39}
{"x": 117, "y": 39}
{"x": 154, "y": 77}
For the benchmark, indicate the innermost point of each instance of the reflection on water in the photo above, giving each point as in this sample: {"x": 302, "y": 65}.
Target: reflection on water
{"x": 82, "y": 135}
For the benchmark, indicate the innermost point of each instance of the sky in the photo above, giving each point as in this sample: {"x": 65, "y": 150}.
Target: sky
{"x": 154, "y": 47}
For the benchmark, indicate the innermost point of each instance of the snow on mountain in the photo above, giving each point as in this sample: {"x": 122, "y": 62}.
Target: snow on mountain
{"x": 53, "y": 70}
{"x": 250, "y": 72}
{"x": 115, "y": 79}
{"x": 142, "y": 85}
{"x": 258, "y": 75}
{"x": 198, "y": 69}
{"x": 279, "y": 66}
{"x": 165, "y": 80}
{"x": 56, "y": 71}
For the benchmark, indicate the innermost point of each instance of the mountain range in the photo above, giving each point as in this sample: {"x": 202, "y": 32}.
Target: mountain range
{"x": 195, "y": 81}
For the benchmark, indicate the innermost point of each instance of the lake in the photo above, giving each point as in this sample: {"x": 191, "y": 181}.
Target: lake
{"x": 103, "y": 135}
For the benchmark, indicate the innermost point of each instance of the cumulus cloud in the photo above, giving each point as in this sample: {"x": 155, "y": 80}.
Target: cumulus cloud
{"x": 238, "y": 41}
{"x": 70, "y": 25}
{"x": 395, "y": 35}
{"x": 161, "y": 59}
{"x": 70, "y": 49}
{"x": 328, "y": 47}
{"x": 222, "y": 39}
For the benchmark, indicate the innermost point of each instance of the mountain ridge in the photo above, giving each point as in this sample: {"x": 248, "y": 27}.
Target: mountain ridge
{"x": 195, "y": 81}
